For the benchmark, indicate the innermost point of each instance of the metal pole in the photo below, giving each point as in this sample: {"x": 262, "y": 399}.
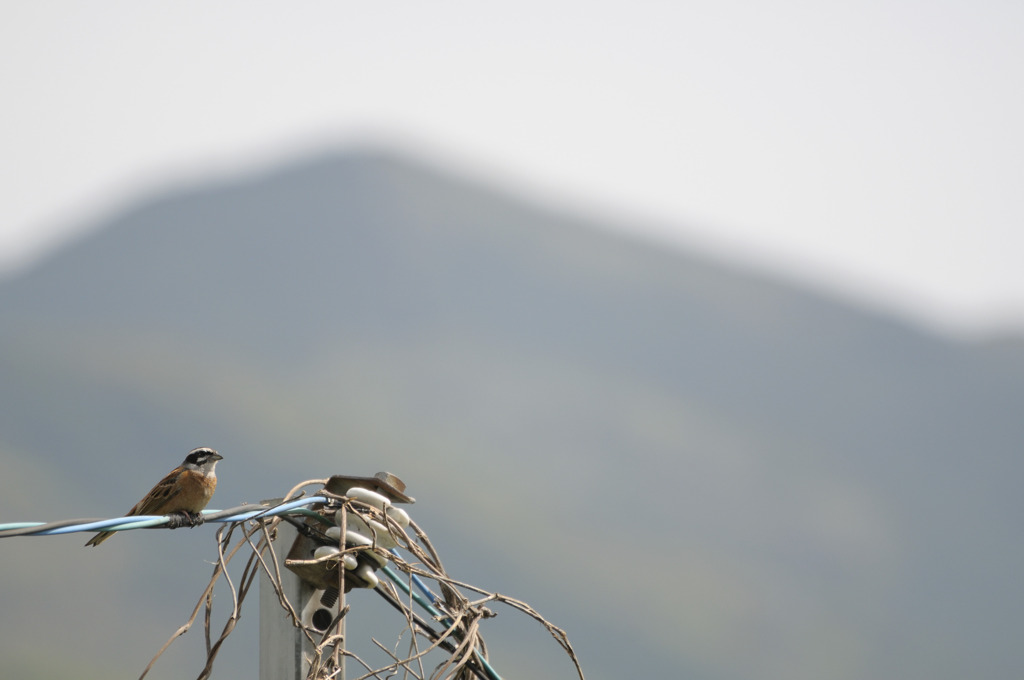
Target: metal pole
{"x": 286, "y": 652}
{"x": 283, "y": 647}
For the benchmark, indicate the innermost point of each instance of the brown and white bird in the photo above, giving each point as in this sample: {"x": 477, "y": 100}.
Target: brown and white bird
{"x": 186, "y": 489}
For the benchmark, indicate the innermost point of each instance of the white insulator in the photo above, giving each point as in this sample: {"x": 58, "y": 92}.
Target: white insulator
{"x": 384, "y": 537}
{"x": 334, "y": 533}
{"x": 349, "y": 560}
{"x": 364, "y": 572}
{"x": 400, "y": 516}
{"x": 356, "y": 538}
{"x": 325, "y": 550}
{"x": 376, "y": 557}
{"x": 371, "y": 528}
{"x": 369, "y": 497}
{"x": 358, "y": 524}
{"x": 353, "y": 538}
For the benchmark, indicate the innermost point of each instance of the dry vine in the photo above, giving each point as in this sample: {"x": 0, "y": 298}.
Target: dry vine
{"x": 452, "y": 627}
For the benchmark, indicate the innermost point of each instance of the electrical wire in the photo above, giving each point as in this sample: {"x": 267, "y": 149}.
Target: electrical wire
{"x": 237, "y": 514}
{"x": 433, "y": 611}
{"x": 428, "y": 630}
{"x": 418, "y": 582}
{"x": 244, "y": 513}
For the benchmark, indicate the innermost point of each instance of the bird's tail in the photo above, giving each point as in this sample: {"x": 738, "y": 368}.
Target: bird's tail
{"x": 99, "y": 538}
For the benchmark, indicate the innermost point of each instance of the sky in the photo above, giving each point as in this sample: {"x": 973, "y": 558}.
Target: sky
{"x": 871, "y": 148}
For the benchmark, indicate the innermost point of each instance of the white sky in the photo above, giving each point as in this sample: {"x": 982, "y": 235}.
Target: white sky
{"x": 876, "y": 147}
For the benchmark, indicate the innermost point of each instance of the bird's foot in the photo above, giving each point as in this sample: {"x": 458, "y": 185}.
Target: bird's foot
{"x": 185, "y": 519}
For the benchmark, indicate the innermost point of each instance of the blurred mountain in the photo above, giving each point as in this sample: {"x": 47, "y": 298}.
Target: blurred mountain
{"x": 698, "y": 470}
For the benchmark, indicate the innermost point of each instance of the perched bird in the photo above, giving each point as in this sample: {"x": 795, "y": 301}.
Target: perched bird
{"x": 186, "y": 489}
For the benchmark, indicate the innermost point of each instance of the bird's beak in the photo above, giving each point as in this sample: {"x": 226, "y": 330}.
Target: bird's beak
{"x": 217, "y": 456}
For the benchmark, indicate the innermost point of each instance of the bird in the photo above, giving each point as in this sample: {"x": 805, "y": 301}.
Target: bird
{"x": 186, "y": 490}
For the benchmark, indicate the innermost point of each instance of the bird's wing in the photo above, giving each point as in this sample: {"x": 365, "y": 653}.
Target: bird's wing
{"x": 155, "y": 500}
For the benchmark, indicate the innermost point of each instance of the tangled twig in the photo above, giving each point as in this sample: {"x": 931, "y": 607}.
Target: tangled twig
{"x": 451, "y": 626}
